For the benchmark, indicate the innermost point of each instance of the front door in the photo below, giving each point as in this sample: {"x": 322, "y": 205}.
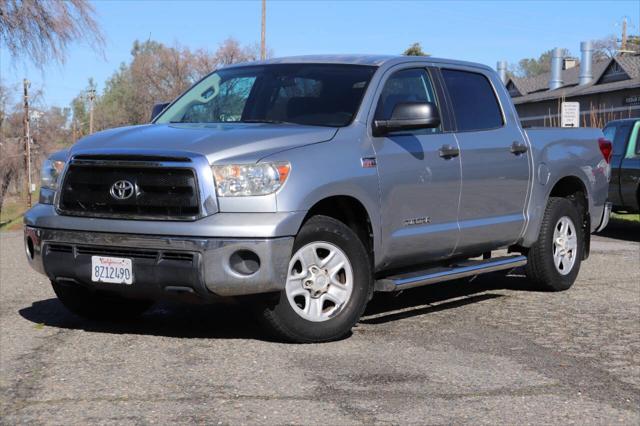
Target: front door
{"x": 495, "y": 165}
{"x": 419, "y": 187}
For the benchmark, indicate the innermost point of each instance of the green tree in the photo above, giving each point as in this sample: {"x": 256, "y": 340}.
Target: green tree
{"x": 530, "y": 67}
{"x": 415, "y": 50}
{"x": 80, "y": 111}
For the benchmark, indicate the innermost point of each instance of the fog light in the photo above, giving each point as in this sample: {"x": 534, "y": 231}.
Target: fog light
{"x": 244, "y": 262}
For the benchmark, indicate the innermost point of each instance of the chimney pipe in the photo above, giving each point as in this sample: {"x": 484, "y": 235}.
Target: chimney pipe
{"x": 556, "y": 68}
{"x": 586, "y": 63}
{"x": 502, "y": 71}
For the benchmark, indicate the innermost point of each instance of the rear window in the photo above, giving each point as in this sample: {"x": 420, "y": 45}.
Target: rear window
{"x": 474, "y": 102}
{"x": 618, "y": 134}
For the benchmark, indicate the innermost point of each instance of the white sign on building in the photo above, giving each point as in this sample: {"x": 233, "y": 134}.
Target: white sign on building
{"x": 570, "y": 114}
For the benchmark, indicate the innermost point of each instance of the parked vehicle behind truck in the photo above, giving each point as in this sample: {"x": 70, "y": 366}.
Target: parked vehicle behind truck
{"x": 309, "y": 183}
{"x": 624, "y": 188}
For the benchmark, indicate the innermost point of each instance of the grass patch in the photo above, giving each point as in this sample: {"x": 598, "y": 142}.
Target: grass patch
{"x": 13, "y": 225}
{"x": 11, "y": 216}
{"x": 627, "y": 217}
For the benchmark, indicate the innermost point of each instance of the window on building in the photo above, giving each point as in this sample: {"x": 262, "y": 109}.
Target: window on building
{"x": 614, "y": 72}
{"x": 513, "y": 90}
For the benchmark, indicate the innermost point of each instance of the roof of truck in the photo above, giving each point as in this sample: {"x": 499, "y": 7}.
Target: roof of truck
{"x": 624, "y": 120}
{"x": 371, "y": 60}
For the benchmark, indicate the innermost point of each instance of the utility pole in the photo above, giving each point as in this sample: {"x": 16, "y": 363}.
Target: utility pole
{"x": 92, "y": 97}
{"x": 623, "y": 44}
{"x": 26, "y": 121}
{"x": 263, "y": 46}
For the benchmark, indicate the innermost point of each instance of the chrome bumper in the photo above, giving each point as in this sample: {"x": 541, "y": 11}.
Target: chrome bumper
{"x": 62, "y": 255}
{"x": 606, "y": 214}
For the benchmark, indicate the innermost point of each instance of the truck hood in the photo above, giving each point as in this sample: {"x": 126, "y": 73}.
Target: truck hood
{"x": 237, "y": 142}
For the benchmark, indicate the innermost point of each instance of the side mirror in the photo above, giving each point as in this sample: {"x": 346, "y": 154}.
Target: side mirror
{"x": 409, "y": 116}
{"x": 157, "y": 109}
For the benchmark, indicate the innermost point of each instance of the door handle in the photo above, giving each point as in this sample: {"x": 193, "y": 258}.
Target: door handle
{"x": 518, "y": 148}
{"x": 447, "y": 152}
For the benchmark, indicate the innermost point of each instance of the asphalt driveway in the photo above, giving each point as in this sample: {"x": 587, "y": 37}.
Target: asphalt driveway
{"x": 486, "y": 351}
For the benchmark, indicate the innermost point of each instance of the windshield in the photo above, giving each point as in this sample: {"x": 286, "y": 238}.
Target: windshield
{"x": 312, "y": 94}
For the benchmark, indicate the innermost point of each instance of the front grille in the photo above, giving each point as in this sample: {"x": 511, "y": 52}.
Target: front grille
{"x": 131, "y": 158}
{"x": 117, "y": 252}
{"x": 178, "y": 256}
{"x": 129, "y": 253}
{"x": 159, "y": 192}
{"x": 60, "y": 248}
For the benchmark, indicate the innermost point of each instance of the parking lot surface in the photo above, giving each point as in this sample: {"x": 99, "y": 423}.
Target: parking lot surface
{"x": 483, "y": 352}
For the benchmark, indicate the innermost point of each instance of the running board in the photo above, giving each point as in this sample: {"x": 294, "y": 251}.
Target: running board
{"x": 463, "y": 269}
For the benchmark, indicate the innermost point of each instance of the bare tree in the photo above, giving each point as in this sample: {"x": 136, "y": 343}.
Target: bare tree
{"x": 230, "y": 52}
{"x": 42, "y": 30}
{"x": 156, "y": 73}
{"x": 10, "y": 147}
{"x": 605, "y": 48}
{"x": 49, "y": 132}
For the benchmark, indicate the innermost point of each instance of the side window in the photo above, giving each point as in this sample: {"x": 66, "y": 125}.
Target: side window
{"x": 412, "y": 85}
{"x": 620, "y": 139}
{"x": 474, "y": 102}
{"x": 609, "y": 133}
{"x": 636, "y": 130}
{"x": 632, "y": 148}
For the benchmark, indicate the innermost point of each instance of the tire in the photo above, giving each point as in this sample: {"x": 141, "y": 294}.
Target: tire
{"x": 542, "y": 269}
{"x": 98, "y": 305}
{"x": 323, "y": 303}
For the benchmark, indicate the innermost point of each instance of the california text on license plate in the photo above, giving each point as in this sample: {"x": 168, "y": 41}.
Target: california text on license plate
{"x": 116, "y": 270}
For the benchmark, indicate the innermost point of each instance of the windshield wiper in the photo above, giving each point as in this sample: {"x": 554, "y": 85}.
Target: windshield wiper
{"x": 232, "y": 122}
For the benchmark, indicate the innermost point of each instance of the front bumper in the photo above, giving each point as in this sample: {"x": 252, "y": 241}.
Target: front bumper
{"x": 162, "y": 265}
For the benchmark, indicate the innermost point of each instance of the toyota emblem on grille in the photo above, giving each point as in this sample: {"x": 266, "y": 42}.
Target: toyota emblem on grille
{"x": 122, "y": 190}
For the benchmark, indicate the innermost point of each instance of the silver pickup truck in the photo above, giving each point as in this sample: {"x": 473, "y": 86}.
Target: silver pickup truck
{"x": 305, "y": 184}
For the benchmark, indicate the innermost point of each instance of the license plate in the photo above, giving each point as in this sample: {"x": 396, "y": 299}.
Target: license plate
{"x": 115, "y": 270}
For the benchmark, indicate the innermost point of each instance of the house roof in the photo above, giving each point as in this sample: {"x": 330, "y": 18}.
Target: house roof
{"x": 535, "y": 89}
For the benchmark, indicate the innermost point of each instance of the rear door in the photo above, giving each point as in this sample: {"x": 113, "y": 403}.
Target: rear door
{"x": 630, "y": 171}
{"x": 419, "y": 188}
{"x": 495, "y": 163}
{"x": 618, "y": 134}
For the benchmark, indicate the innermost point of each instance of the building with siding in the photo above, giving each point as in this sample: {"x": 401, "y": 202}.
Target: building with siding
{"x": 606, "y": 90}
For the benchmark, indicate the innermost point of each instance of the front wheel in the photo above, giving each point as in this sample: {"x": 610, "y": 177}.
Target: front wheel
{"x": 554, "y": 260}
{"x": 328, "y": 285}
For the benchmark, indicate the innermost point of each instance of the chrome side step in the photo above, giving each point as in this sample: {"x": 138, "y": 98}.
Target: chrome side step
{"x": 438, "y": 274}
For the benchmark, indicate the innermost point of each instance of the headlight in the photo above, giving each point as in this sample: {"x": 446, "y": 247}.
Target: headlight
{"x": 51, "y": 170}
{"x": 241, "y": 180}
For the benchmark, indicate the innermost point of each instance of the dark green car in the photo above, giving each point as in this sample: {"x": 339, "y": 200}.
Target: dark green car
{"x": 624, "y": 187}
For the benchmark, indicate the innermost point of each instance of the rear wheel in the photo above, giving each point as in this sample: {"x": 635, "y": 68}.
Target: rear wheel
{"x": 98, "y": 305}
{"x": 328, "y": 285}
{"x": 554, "y": 260}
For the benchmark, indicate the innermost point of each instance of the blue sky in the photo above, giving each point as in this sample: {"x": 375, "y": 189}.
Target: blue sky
{"x": 471, "y": 30}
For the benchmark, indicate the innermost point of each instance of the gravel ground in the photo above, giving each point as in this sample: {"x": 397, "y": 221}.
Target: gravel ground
{"x": 483, "y": 352}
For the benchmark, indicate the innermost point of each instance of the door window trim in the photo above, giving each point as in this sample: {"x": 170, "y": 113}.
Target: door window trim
{"x": 493, "y": 89}
{"x": 443, "y": 106}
